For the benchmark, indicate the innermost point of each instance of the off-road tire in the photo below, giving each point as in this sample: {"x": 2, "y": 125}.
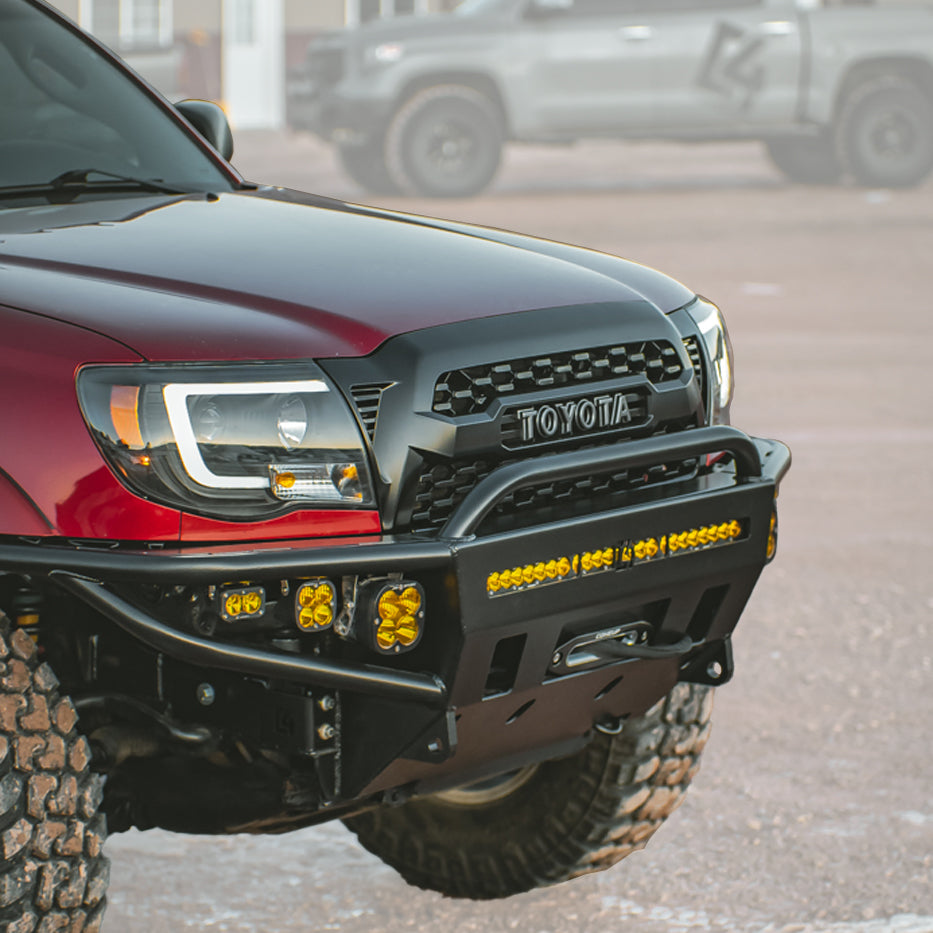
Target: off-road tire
{"x": 366, "y": 166}
{"x": 884, "y": 133}
{"x": 570, "y": 817}
{"x": 444, "y": 142}
{"x": 54, "y": 876}
{"x": 806, "y": 160}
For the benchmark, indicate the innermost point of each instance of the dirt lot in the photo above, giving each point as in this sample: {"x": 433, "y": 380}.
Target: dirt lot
{"x": 813, "y": 811}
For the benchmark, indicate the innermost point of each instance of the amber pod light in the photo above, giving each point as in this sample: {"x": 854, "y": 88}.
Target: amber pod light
{"x": 391, "y": 615}
{"x": 315, "y": 605}
{"x": 242, "y": 603}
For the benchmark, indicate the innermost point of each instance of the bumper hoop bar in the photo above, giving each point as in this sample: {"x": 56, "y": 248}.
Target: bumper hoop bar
{"x": 360, "y": 678}
{"x": 481, "y": 500}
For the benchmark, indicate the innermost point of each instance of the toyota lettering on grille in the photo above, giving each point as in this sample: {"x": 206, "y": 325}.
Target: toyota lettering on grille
{"x": 574, "y": 417}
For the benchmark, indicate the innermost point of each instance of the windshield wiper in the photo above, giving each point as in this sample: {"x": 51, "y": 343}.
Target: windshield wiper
{"x": 70, "y": 184}
{"x": 79, "y": 176}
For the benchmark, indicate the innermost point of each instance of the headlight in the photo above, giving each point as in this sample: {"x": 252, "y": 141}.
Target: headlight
{"x": 384, "y": 54}
{"x": 242, "y": 442}
{"x": 718, "y": 357}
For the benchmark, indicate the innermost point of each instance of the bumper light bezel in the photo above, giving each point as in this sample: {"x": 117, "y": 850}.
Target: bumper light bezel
{"x": 388, "y": 619}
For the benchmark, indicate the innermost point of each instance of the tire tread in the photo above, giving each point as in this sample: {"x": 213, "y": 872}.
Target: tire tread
{"x": 859, "y": 97}
{"x": 395, "y": 153}
{"x": 54, "y": 874}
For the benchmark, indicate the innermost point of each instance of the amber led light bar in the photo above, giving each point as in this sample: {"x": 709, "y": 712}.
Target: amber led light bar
{"x": 613, "y": 557}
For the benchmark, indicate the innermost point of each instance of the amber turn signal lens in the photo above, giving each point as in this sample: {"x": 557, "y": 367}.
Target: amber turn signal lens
{"x": 771, "y": 549}
{"x": 124, "y": 413}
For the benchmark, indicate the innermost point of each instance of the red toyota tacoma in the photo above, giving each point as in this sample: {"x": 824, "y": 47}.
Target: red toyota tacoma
{"x": 310, "y": 510}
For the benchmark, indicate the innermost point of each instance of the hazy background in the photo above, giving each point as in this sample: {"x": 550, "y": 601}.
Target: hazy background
{"x": 813, "y": 811}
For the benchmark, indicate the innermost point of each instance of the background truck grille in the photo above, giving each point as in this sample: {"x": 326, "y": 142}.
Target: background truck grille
{"x": 472, "y": 390}
{"x": 325, "y": 65}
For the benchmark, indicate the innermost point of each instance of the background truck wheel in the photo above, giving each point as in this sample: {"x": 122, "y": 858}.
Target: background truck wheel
{"x": 806, "y": 160}
{"x": 445, "y": 142}
{"x": 53, "y": 873}
{"x": 885, "y": 133}
{"x": 551, "y": 822}
{"x": 366, "y": 166}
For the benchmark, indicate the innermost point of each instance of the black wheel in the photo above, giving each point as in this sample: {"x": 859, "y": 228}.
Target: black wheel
{"x": 366, "y": 166}
{"x": 806, "y": 160}
{"x": 885, "y": 133}
{"x": 54, "y": 875}
{"x": 445, "y": 142}
{"x": 553, "y": 821}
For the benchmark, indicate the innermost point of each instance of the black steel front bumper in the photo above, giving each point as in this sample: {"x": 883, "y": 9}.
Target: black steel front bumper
{"x": 509, "y": 665}
{"x": 333, "y": 117}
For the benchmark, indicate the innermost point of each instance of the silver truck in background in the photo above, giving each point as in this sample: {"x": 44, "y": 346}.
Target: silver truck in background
{"x": 425, "y": 104}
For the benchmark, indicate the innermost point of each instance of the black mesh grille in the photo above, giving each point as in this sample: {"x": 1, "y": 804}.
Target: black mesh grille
{"x": 367, "y": 399}
{"x": 471, "y": 390}
{"x": 443, "y": 485}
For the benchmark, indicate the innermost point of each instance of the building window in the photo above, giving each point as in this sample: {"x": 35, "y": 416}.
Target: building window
{"x": 129, "y": 24}
{"x": 244, "y": 22}
{"x": 361, "y": 11}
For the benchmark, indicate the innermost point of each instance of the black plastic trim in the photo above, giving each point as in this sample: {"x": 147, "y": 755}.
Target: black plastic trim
{"x": 26, "y": 498}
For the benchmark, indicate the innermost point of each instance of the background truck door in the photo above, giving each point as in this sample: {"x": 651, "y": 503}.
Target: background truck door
{"x": 722, "y": 64}
{"x": 586, "y": 74}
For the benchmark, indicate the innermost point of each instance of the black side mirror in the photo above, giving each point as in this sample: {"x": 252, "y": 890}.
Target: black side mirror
{"x": 211, "y": 122}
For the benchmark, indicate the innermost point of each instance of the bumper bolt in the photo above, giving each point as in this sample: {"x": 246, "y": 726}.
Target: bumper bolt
{"x": 206, "y": 695}
{"x": 326, "y": 731}
{"x": 327, "y": 703}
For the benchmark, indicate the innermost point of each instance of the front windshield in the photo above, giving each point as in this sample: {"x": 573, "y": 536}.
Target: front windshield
{"x": 66, "y": 108}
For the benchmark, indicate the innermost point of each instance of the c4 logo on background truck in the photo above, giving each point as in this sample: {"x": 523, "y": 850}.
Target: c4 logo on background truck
{"x": 732, "y": 65}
